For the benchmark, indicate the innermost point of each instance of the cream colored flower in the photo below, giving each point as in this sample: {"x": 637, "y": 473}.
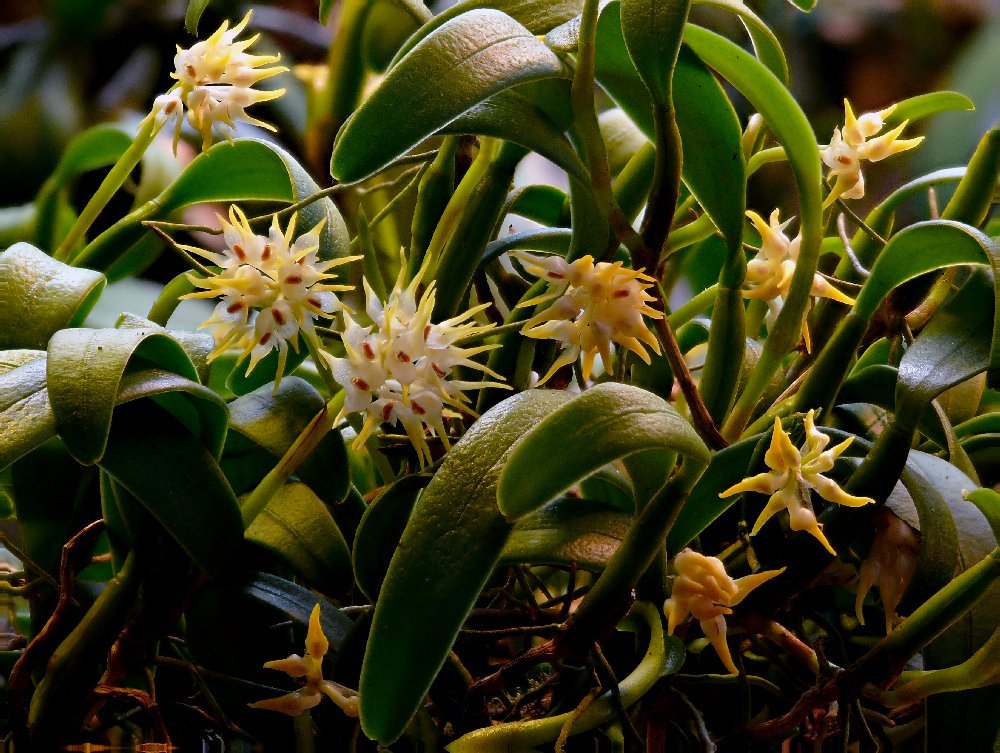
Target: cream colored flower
{"x": 593, "y": 306}
{"x": 856, "y": 142}
{"x": 769, "y": 273}
{"x": 793, "y": 473}
{"x": 397, "y": 369}
{"x": 272, "y": 289}
{"x": 215, "y": 80}
{"x": 703, "y": 589}
{"x": 310, "y": 668}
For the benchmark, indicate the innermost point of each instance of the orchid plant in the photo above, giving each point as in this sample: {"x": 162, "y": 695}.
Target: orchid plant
{"x": 461, "y": 461}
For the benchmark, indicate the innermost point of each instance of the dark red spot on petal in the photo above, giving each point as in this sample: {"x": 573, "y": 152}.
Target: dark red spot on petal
{"x": 266, "y": 253}
{"x": 403, "y": 356}
{"x": 417, "y": 408}
{"x": 293, "y": 280}
{"x": 554, "y": 275}
{"x": 190, "y": 70}
{"x": 439, "y": 371}
{"x": 620, "y": 294}
{"x": 313, "y": 301}
{"x": 360, "y": 383}
{"x": 386, "y": 411}
{"x": 241, "y": 254}
{"x": 278, "y": 317}
{"x": 367, "y": 350}
{"x": 427, "y": 332}
{"x": 265, "y": 339}
{"x": 232, "y": 308}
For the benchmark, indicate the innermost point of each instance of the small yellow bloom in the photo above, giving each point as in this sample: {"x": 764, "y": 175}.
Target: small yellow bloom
{"x": 703, "y": 589}
{"x": 793, "y": 473}
{"x": 215, "y": 80}
{"x": 856, "y": 142}
{"x": 593, "y": 306}
{"x": 309, "y": 667}
{"x": 272, "y": 288}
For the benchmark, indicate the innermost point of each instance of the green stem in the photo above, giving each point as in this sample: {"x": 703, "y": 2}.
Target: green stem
{"x": 169, "y": 298}
{"x": 698, "y": 303}
{"x": 114, "y": 180}
{"x": 691, "y": 233}
{"x": 433, "y": 194}
{"x": 526, "y": 735}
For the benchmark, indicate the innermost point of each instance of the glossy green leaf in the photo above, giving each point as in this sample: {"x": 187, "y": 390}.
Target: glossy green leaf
{"x": 273, "y": 420}
{"x": 512, "y": 116}
{"x": 380, "y": 530}
{"x": 298, "y": 603}
{"x": 803, "y": 5}
{"x": 298, "y": 527}
{"x": 472, "y": 57}
{"x": 602, "y": 424}
{"x": 26, "y": 418}
{"x": 39, "y": 295}
{"x": 926, "y": 105}
{"x": 245, "y": 170}
{"x": 652, "y": 32}
{"x": 12, "y": 359}
{"x": 988, "y": 502}
{"x": 547, "y": 205}
{"x": 388, "y": 24}
{"x": 703, "y": 506}
{"x": 622, "y": 138}
{"x": 613, "y": 486}
{"x": 83, "y": 406}
{"x": 538, "y": 16}
{"x": 567, "y": 531}
{"x": 193, "y": 15}
{"x": 765, "y": 44}
{"x": 177, "y": 480}
{"x": 198, "y": 345}
{"x": 449, "y": 549}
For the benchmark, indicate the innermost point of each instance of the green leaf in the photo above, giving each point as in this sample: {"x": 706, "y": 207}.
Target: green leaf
{"x": 602, "y": 424}
{"x": 925, "y": 105}
{"x": 39, "y": 295}
{"x": 12, "y": 359}
{"x": 298, "y": 603}
{"x": 449, "y": 549}
{"x": 512, "y": 116}
{"x": 26, "y": 419}
{"x": 988, "y": 502}
{"x": 325, "y": 6}
{"x": 380, "y": 530}
{"x": 652, "y": 32}
{"x": 766, "y": 46}
{"x": 538, "y": 16}
{"x": 198, "y": 345}
{"x": 245, "y": 170}
{"x": 85, "y": 367}
{"x": 298, "y": 527}
{"x": 471, "y": 57}
{"x": 803, "y": 5}
{"x": 193, "y": 15}
{"x": 274, "y": 419}
{"x": 177, "y": 479}
{"x": 565, "y": 532}
{"x": 952, "y": 347}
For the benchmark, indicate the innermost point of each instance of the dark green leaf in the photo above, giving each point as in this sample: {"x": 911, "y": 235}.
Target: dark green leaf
{"x": 298, "y": 603}
{"x": 604, "y": 423}
{"x": 448, "y": 551}
{"x": 193, "y": 15}
{"x": 652, "y": 32}
{"x": 298, "y": 527}
{"x": 765, "y": 44}
{"x": 26, "y": 418}
{"x": 39, "y": 295}
{"x": 471, "y": 57}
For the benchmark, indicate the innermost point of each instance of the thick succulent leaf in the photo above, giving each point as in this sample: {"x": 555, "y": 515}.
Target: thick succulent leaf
{"x": 193, "y": 14}
{"x": 245, "y": 170}
{"x": 85, "y": 367}
{"x": 298, "y": 527}
{"x": 603, "y": 424}
{"x": 298, "y": 603}
{"x": 565, "y": 532}
{"x": 177, "y": 479}
{"x": 471, "y": 57}
{"x": 26, "y": 419}
{"x": 652, "y": 32}
{"x": 450, "y": 547}
{"x": 926, "y": 105}
{"x": 765, "y": 44}
{"x": 39, "y": 295}
{"x": 380, "y": 530}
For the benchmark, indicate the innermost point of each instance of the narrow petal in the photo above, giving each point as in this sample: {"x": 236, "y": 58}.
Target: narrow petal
{"x": 715, "y": 631}
{"x": 762, "y": 483}
{"x": 748, "y": 583}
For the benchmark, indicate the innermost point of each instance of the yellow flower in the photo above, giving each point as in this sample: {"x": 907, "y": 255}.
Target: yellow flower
{"x": 310, "y": 668}
{"x": 397, "y": 369}
{"x": 215, "y": 80}
{"x": 793, "y": 473}
{"x": 272, "y": 288}
{"x": 593, "y": 305}
{"x": 703, "y": 589}
{"x": 856, "y": 142}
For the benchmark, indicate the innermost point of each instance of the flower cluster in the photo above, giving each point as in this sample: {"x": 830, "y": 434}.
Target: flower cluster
{"x": 309, "y": 667}
{"x": 215, "y": 80}
{"x": 593, "y": 306}
{"x": 271, "y": 289}
{"x": 396, "y": 369}
{"x": 793, "y": 473}
{"x": 769, "y": 273}
{"x": 857, "y": 141}
{"x": 703, "y": 589}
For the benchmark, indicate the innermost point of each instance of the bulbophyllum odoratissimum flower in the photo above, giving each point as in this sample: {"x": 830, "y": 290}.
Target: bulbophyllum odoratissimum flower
{"x": 592, "y": 307}
{"x": 272, "y": 289}
{"x": 310, "y": 669}
{"x": 858, "y": 141}
{"x": 769, "y": 273}
{"x": 215, "y": 80}
{"x": 794, "y": 473}
{"x": 703, "y": 589}
{"x": 398, "y": 369}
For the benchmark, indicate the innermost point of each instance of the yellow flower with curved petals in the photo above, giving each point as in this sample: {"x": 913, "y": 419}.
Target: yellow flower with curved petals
{"x": 703, "y": 589}
{"x": 794, "y": 472}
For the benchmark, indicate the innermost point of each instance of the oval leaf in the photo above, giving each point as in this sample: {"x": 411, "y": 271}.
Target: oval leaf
{"x": 606, "y": 422}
